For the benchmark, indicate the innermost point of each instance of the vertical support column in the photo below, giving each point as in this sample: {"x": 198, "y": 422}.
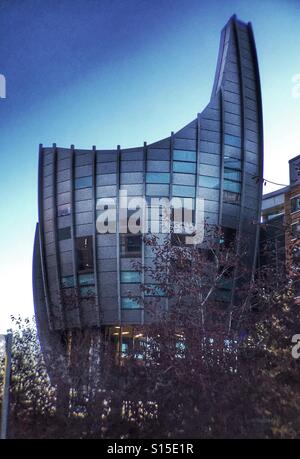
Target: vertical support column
{"x": 73, "y": 235}
{"x": 143, "y": 235}
{"x": 95, "y": 234}
{"x": 243, "y": 147}
{"x": 41, "y": 234}
{"x": 118, "y": 234}
{"x": 222, "y": 115}
{"x": 260, "y": 138}
{"x": 57, "y": 257}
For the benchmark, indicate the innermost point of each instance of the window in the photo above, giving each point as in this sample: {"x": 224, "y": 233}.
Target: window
{"x": 83, "y": 182}
{"x": 86, "y": 279}
{"x": 209, "y": 182}
{"x": 184, "y": 191}
{"x": 184, "y": 179}
{"x": 67, "y": 281}
{"x": 130, "y": 277}
{"x": 157, "y": 177}
{"x": 232, "y": 140}
{"x": 232, "y": 186}
{"x": 228, "y": 236}
{"x": 232, "y": 163}
{"x": 84, "y": 251}
{"x": 232, "y": 174}
{"x": 184, "y": 155}
{"x": 131, "y": 245}
{"x": 129, "y": 303}
{"x": 154, "y": 290}
{"x": 64, "y": 233}
{"x": 295, "y": 204}
{"x": 295, "y": 230}
{"x": 231, "y": 198}
{"x": 180, "y": 166}
{"x": 63, "y": 210}
{"x": 87, "y": 292}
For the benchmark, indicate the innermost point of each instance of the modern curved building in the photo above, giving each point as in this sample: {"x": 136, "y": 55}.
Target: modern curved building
{"x": 214, "y": 157}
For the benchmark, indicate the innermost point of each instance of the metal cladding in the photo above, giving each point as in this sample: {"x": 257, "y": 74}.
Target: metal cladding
{"x": 214, "y": 157}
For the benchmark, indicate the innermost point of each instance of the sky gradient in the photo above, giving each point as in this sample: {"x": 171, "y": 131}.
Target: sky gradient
{"x": 108, "y": 72}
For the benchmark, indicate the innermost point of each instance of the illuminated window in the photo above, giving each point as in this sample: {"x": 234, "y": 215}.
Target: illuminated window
{"x": 130, "y": 277}
{"x": 87, "y": 292}
{"x": 154, "y": 290}
{"x": 129, "y": 303}
{"x": 67, "y": 281}
{"x": 86, "y": 279}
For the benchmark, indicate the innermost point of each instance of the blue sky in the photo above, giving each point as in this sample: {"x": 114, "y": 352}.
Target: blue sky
{"x": 108, "y": 72}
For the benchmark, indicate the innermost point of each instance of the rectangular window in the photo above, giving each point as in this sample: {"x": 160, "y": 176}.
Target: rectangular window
{"x": 228, "y": 236}
{"x": 63, "y": 210}
{"x": 232, "y": 163}
{"x": 157, "y": 177}
{"x": 84, "y": 252}
{"x": 64, "y": 233}
{"x": 295, "y": 204}
{"x": 231, "y": 198}
{"x": 181, "y": 166}
{"x": 184, "y": 191}
{"x": 232, "y": 140}
{"x": 130, "y": 277}
{"x": 232, "y": 186}
{"x": 295, "y": 230}
{"x": 67, "y": 281}
{"x": 129, "y": 303}
{"x": 184, "y": 155}
{"x": 209, "y": 182}
{"x": 131, "y": 245}
{"x": 87, "y": 292}
{"x": 86, "y": 279}
{"x": 154, "y": 290}
{"x": 232, "y": 174}
{"x": 184, "y": 179}
{"x": 83, "y": 182}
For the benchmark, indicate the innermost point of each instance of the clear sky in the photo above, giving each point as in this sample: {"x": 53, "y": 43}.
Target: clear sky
{"x": 108, "y": 72}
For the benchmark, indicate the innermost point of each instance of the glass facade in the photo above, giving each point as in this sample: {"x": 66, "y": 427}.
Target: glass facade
{"x": 205, "y": 159}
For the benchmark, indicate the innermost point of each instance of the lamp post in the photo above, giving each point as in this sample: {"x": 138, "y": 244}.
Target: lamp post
{"x": 5, "y": 398}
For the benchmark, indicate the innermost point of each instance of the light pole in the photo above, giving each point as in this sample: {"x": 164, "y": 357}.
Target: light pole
{"x": 5, "y": 398}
